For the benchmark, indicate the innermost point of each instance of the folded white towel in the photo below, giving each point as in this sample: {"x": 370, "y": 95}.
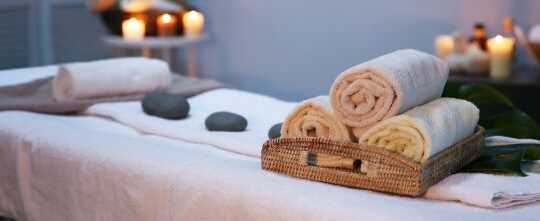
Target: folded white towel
{"x": 110, "y": 78}
{"x": 386, "y": 86}
{"x": 425, "y": 130}
{"x": 489, "y": 191}
{"x": 261, "y": 112}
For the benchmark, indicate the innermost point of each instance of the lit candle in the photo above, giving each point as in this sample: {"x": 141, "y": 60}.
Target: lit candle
{"x": 500, "y": 51}
{"x": 133, "y": 29}
{"x": 193, "y": 22}
{"x": 444, "y": 45}
{"x": 166, "y": 25}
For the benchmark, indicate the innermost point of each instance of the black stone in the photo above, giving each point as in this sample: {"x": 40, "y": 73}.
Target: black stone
{"x": 165, "y": 105}
{"x": 275, "y": 131}
{"x": 225, "y": 121}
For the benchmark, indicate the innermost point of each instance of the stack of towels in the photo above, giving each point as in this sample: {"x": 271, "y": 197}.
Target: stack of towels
{"x": 392, "y": 102}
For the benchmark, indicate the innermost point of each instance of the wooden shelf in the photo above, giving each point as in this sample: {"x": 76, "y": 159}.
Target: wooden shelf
{"x": 153, "y": 42}
{"x": 520, "y": 76}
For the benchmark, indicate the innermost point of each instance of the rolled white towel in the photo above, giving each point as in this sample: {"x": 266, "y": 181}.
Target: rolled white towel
{"x": 425, "y": 130}
{"x": 315, "y": 118}
{"x": 110, "y": 78}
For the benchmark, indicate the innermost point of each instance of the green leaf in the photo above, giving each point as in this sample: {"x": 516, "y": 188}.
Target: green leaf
{"x": 504, "y": 160}
{"x": 451, "y": 90}
{"x": 483, "y": 94}
{"x": 514, "y": 123}
{"x": 532, "y": 152}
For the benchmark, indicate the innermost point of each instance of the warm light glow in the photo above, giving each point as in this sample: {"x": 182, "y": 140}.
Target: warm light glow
{"x": 444, "y": 45}
{"x": 500, "y": 44}
{"x": 193, "y": 23}
{"x": 166, "y": 24}
{"x": 194, "y": 15}
{"x": 166, "y": 18}
{"x": 133, "y": 28}
{"x": 135, "y": 6}
{"x": 499, "y": 38}
{"x": 500, "y": 52}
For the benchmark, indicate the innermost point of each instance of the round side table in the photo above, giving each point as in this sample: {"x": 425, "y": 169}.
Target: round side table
{"x": 167, "y": 46}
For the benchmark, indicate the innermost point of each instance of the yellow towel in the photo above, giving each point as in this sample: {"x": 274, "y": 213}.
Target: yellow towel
{"x": 425, "y": 130}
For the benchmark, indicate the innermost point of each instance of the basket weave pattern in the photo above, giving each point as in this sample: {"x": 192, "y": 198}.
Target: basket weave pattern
{"x": 381, "y": 170}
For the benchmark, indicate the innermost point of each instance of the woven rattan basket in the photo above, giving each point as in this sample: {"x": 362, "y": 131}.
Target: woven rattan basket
{"x": 360, "y": 166}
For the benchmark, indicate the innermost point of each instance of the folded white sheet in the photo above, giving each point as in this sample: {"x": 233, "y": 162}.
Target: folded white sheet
{"x": 110, "y": 78}
{"x": 249, "y": 142}
{"x": 502, "y": 140}
{"x": 489, "y": 191}
{"x": 68, "y": 168}
{"x": 262, "y": 112}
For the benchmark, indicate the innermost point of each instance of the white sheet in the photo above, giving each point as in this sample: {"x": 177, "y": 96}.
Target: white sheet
{"x": 85, "y": 168}
{"x": 262, "y": 112}
{"x": 91, "y": 169}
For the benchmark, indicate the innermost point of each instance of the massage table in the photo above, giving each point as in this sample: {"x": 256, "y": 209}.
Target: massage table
{"x": 92, "y": 168}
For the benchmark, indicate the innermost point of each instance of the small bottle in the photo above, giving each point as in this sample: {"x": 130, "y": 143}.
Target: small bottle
{"x": 479, "y": 36}
{"x": 508, "y": 27}
{"x": 508, "y": 32}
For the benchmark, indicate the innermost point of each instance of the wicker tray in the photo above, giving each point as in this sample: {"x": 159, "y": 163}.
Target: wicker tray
{"x": 365, "y": 167}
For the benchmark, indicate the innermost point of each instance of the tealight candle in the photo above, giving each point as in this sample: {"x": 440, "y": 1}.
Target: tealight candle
{"x": 166, "y": 24}
{"x": 500, "y": 51}
{"x": 444, "y": 45}
{"x": 133, "y": 29}
{"x": 193, "y": 22}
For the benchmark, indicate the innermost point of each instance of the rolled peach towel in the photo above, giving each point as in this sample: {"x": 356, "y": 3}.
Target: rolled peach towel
{"x": 314, "y": 118}
{"x": 386, "y": 86}
{"x": 110, "y": 78}
{"x": 425, "y": 130}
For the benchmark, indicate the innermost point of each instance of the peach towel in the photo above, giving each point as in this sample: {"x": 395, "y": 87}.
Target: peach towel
{"x": 314, "y": 118}
{"x": 386, "y": 86}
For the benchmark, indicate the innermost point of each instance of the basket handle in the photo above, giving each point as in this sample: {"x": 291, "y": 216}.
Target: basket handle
{"x": 329, "y": 161}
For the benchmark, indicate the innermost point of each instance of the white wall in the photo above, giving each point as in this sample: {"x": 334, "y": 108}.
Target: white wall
{"x": 293, "y": 49}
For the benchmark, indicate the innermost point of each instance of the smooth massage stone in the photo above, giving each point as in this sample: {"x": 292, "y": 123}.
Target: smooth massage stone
{"x": 165, "y": 105}
{"x": 225, "y": 121}
{"x": 275, "y": 131}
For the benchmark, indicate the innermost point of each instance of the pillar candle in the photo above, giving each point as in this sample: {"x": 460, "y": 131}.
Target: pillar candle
{"x": 166, "y": 25}
{"x": 133, "y": 29}
{"x": 500, "y": 52}
{"x": 444, "y": 45}
{"x": 193, "y": 22}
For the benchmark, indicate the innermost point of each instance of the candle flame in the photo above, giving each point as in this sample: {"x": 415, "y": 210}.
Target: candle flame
{"x": 499, "y": 38}
{"x": 133, "y": 28}
{"x": 194, "y": 15}
{"x": 166, "y": 18}
{"x": 134, "y": 22}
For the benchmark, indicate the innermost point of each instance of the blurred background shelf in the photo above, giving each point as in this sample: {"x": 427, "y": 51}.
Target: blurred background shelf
{"x": 166, "y": 46}
{"x": 153, "y": 42}
{"x": 522, "y": 87}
